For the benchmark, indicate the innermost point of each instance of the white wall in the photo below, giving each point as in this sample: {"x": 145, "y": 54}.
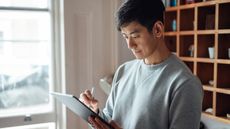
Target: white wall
{"x": 90, "y": 45}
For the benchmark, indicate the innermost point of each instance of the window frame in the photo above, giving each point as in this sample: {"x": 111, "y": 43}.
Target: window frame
{"x": 55, "y": 9}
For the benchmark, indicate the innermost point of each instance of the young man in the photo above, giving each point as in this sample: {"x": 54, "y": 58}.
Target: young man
{"x": 155, "y": 91}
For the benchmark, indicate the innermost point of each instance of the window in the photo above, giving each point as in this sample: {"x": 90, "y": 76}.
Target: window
{"x": 26, "y": 68}
{"x": 35, "y": 126}
{"x": 35, "y": 4}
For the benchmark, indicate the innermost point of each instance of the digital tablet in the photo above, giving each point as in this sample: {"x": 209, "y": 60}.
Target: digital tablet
{"x": 79, "y": 108}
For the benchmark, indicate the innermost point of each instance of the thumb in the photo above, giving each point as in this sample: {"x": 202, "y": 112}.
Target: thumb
{"x": 115, "y": 125}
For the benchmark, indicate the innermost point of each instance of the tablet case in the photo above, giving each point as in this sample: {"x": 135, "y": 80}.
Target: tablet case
{"x": 78, "y": 107}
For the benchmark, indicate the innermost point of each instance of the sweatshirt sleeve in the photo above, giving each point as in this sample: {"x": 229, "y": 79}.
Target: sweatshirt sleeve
{"x": 108, "y": 110}
{"x": 186, "y": 106}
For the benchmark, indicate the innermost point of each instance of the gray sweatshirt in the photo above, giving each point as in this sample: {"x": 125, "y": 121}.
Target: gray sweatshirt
{"x": 162, "y": 96}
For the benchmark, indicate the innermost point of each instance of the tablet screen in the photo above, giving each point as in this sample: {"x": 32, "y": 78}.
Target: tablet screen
{"x": 78, "y": 107}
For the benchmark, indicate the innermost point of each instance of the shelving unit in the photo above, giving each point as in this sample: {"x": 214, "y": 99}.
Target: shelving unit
{"x": 201, "y": 25}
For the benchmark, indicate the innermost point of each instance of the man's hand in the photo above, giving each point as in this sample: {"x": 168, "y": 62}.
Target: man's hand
{"x": 98, "y": 124}
{"x": 87, "y": 98}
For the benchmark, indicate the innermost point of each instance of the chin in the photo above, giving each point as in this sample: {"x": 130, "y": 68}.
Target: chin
{"x": 139, "y": 57}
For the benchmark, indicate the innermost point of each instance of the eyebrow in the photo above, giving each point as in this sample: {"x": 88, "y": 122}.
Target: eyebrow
{"x": 135, "y": 31}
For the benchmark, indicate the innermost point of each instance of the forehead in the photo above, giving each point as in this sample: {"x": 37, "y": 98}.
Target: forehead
{"x": 132, "y": 26}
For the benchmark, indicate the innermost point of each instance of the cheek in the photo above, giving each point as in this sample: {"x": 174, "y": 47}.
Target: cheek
{"x": 149, "y": 48}
{"x": 148, "y": 45}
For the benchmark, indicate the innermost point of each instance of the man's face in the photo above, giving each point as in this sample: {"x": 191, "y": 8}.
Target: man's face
{"x": 139, "y": 40}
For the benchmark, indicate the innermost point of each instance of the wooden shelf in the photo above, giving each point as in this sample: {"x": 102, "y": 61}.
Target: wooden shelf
{"x": 223, "y": 119}
{"x": 218, "y": 90}
{"x": 189, "y": 59}
{"x": 201, "y": 25}
{"x": 208, "y": 88}
{"x": 205, "y": 60}
{"x": 171, "y": 9}
{"x": 172, "y": 33}
{"x": 200, "y": 32}
{"x": 206, "y": 3}
{"x": 186, "y": 32}
{"x": 208, "y": 114}
{"x": 223, "y": 1}
{"x": 222, "y": 61}
{"x": 187, "y": 6}
{"x": 224, "y": 31}
{"x": 224, "y": 91}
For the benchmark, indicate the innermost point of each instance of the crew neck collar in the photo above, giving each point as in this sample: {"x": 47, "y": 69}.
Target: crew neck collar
{"x": 155, "y": 66}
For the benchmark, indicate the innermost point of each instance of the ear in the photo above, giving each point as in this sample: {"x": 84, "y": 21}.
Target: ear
{"x": 158, "y": 29}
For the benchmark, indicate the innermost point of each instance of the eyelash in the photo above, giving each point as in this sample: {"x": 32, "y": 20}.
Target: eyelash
{"x": 136, "y": 36}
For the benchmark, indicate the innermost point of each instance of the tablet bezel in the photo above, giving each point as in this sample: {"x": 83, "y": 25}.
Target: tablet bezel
{"x": 86, "y": 108}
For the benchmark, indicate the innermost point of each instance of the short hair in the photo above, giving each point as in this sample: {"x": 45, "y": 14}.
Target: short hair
{"x": 145, "y": 12}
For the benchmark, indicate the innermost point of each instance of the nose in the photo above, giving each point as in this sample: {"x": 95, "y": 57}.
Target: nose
{"x": 130, "y": 43}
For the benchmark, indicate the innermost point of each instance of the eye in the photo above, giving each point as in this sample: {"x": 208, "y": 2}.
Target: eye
{"x": 125, "y": 36}
{"x": 135, "y": 35}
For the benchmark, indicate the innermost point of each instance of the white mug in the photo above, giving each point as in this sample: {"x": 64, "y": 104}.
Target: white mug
{"x": 229, "y": 53}
{"x": 211, "y": 51}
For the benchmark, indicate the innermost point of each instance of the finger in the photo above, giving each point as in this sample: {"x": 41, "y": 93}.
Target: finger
{"x": 91, "y": 121}
{"x": 102, "y": 124}
{"x": 94, "y": 102}
{"x": 88, "y": 94}
{"x": 95, "y": 124}
{"x": 81, "y": 96}
{"x": 114, "y": 124}
{"x": 85, "y": 99}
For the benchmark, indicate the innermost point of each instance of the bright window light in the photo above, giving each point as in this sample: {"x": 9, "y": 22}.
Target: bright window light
{"x": 25, "y": 53}
{"x": 35, "y": 126}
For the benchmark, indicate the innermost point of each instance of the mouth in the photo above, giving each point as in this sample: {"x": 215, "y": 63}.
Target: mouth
{"x": 136, "y": 51}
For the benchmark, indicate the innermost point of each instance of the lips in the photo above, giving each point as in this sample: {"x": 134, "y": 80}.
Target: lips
{"x": 136, "y": 51}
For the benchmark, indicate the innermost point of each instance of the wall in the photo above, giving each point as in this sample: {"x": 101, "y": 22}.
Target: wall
{"x": 90, "y": 49}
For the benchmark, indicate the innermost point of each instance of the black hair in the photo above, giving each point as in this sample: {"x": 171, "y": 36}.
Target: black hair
{"x": 145, "y": 12}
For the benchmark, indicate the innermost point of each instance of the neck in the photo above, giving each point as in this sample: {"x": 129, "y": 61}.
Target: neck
{"x": 159, "y": 55}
